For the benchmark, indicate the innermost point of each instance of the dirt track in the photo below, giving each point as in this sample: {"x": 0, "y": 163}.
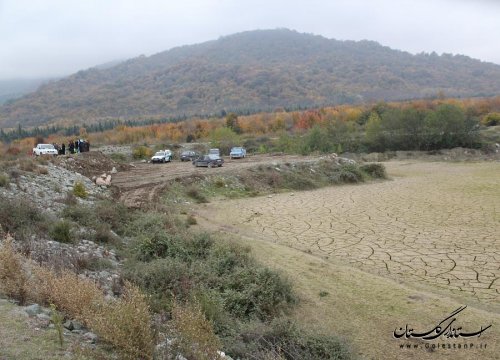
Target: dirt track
{"x": 145, "y": 180}
{"x": 435, "y": 223}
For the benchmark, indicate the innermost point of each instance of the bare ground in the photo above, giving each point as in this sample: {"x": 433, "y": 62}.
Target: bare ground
{"x": 145, "y": 181}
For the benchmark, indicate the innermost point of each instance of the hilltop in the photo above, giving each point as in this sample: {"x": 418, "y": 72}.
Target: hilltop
{"x": 247, "y": 72}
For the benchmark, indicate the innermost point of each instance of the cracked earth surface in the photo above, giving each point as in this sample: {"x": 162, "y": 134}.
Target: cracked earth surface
{"x": 433, "y": 223}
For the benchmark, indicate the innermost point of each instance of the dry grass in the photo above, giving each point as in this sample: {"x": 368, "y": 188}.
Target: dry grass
{"x": 13, "y": 277}
{"x": 196, "y": 338}
{"x": 124, "y": 323}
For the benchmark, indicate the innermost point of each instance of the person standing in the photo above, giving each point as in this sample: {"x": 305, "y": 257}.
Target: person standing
{"x": 63, "y": 149}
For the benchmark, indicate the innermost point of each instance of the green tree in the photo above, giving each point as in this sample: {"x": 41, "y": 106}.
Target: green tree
{"x": 224, "y": 138}
{"x": 232, "y": 123}
{"x": 374, "y": 132}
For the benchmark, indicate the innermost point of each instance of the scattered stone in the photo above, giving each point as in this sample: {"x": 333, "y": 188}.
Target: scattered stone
{"x": 43, "y": 317}
{"x": 33, "y": 310}
{"x": 90, "y": 337}
{"x": 68, "y": 325}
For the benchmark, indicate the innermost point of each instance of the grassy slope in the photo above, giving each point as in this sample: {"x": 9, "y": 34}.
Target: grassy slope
{"x": 18, "y": 340}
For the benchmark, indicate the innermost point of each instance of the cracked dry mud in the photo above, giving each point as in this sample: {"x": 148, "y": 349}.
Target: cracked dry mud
{"x": 432, "y": 223}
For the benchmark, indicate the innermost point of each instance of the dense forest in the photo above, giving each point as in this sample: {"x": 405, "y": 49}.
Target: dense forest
{"x": 247, "y": 73}
{"x": 409, "y": 125}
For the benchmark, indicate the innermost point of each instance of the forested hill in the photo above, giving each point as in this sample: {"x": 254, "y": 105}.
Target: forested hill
{"x": 250, "y": 71}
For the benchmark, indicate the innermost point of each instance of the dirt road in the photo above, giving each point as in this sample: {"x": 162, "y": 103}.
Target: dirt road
{"x": 145, "y": 180}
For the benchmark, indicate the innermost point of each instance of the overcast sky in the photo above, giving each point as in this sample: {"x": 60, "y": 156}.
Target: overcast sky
{"x": 40, "y": 38}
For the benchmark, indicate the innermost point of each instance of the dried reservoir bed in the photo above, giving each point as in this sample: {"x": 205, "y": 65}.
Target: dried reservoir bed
{"x": 429, "y": 238}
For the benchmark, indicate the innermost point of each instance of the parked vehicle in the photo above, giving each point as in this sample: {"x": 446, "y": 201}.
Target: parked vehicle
{"x": 189, "y": 155}
{"x": 162, "y": 156}
{"x": 237, "y": 153}
{"x": 208, "y": 161}
{"x": 44, "y": 149}
{"x": 214, "y": 153}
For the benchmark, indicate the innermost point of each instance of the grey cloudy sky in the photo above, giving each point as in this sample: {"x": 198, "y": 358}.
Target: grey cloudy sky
{"x": 41, "y": 38}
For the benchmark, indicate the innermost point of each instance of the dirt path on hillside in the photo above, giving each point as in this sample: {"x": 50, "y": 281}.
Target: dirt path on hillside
{"x": 145, "y": 181}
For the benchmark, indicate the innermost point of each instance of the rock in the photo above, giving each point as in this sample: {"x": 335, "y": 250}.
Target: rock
{"x": 33, "y": 310}
{"x": 113, "y": 170}
{"x": 90, "y": 337}
{"x": 100, "y": 181}
{"x": 43, "y": 317}
{"x": 68, "y": 325}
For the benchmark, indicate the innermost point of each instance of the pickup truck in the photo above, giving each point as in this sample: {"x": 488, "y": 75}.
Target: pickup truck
{"x": 44, "y": 149}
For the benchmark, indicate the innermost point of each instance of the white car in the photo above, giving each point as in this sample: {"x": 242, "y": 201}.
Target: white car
{"x": 44, "y": 149}
{"x": 238, "y": 153}
{"x": 162, "y": 156}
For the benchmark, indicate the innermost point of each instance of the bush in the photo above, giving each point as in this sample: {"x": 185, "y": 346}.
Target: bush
{"x": 346, "y": 174}
{"x": 61, "y": 232}
{"x": 194, "y": 193}
{"x": 115, "y": 214}
{"x": 257, "y": 292}
{"x": 374, "y": 170}
{"x": 118, "y": 157}
{"x": 195, "y": 336}
{"x": 79, "y": 213}
{"x": 4, "y": 180}
{"x": 79, "y": 190}
{"x": 491, "y": 119}
{"x": 284, "y": 339}
{"x": 13, "y": 278}
{"x": 126, "y": 324}
{"x": 142, "y": 152}
{"x": 104, "y": 235}
{"x": 21, "y": 218}
{"x": 191, "y": 220}
{"x": 163, "y": 279}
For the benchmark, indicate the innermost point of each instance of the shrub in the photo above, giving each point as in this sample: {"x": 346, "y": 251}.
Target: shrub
{"x": 374, "y": 170}
{"x": 79, "y": 190}
{"x": 115, "y": 214}
{"x": 298, "y": 181}
{"x": 257, "y": 292}
{"x": 164, "y": 279}
{"x": 491, "y": 119}
{"x": 118, "y": 157}
{"x": 104, "y": 235}
{"x": 191, "y": 220}
{"x": 61, "y": 232}
{"x": 69, "y": 293}
{"x": 194, "y": 193}
{"x": 284, "y": 339}
{"x": 21, "y": 218}
{"x": 347, "y": 173}
{"x": 126, "y": 324}
{"x": 4, "y": 180}
{"x": 196, "y": 338}
{"x": 13, "y": 278}
{"x": 142, "y": 152}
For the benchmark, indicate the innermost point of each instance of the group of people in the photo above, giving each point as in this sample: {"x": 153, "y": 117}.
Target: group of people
{"x": 74, "y": 147}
